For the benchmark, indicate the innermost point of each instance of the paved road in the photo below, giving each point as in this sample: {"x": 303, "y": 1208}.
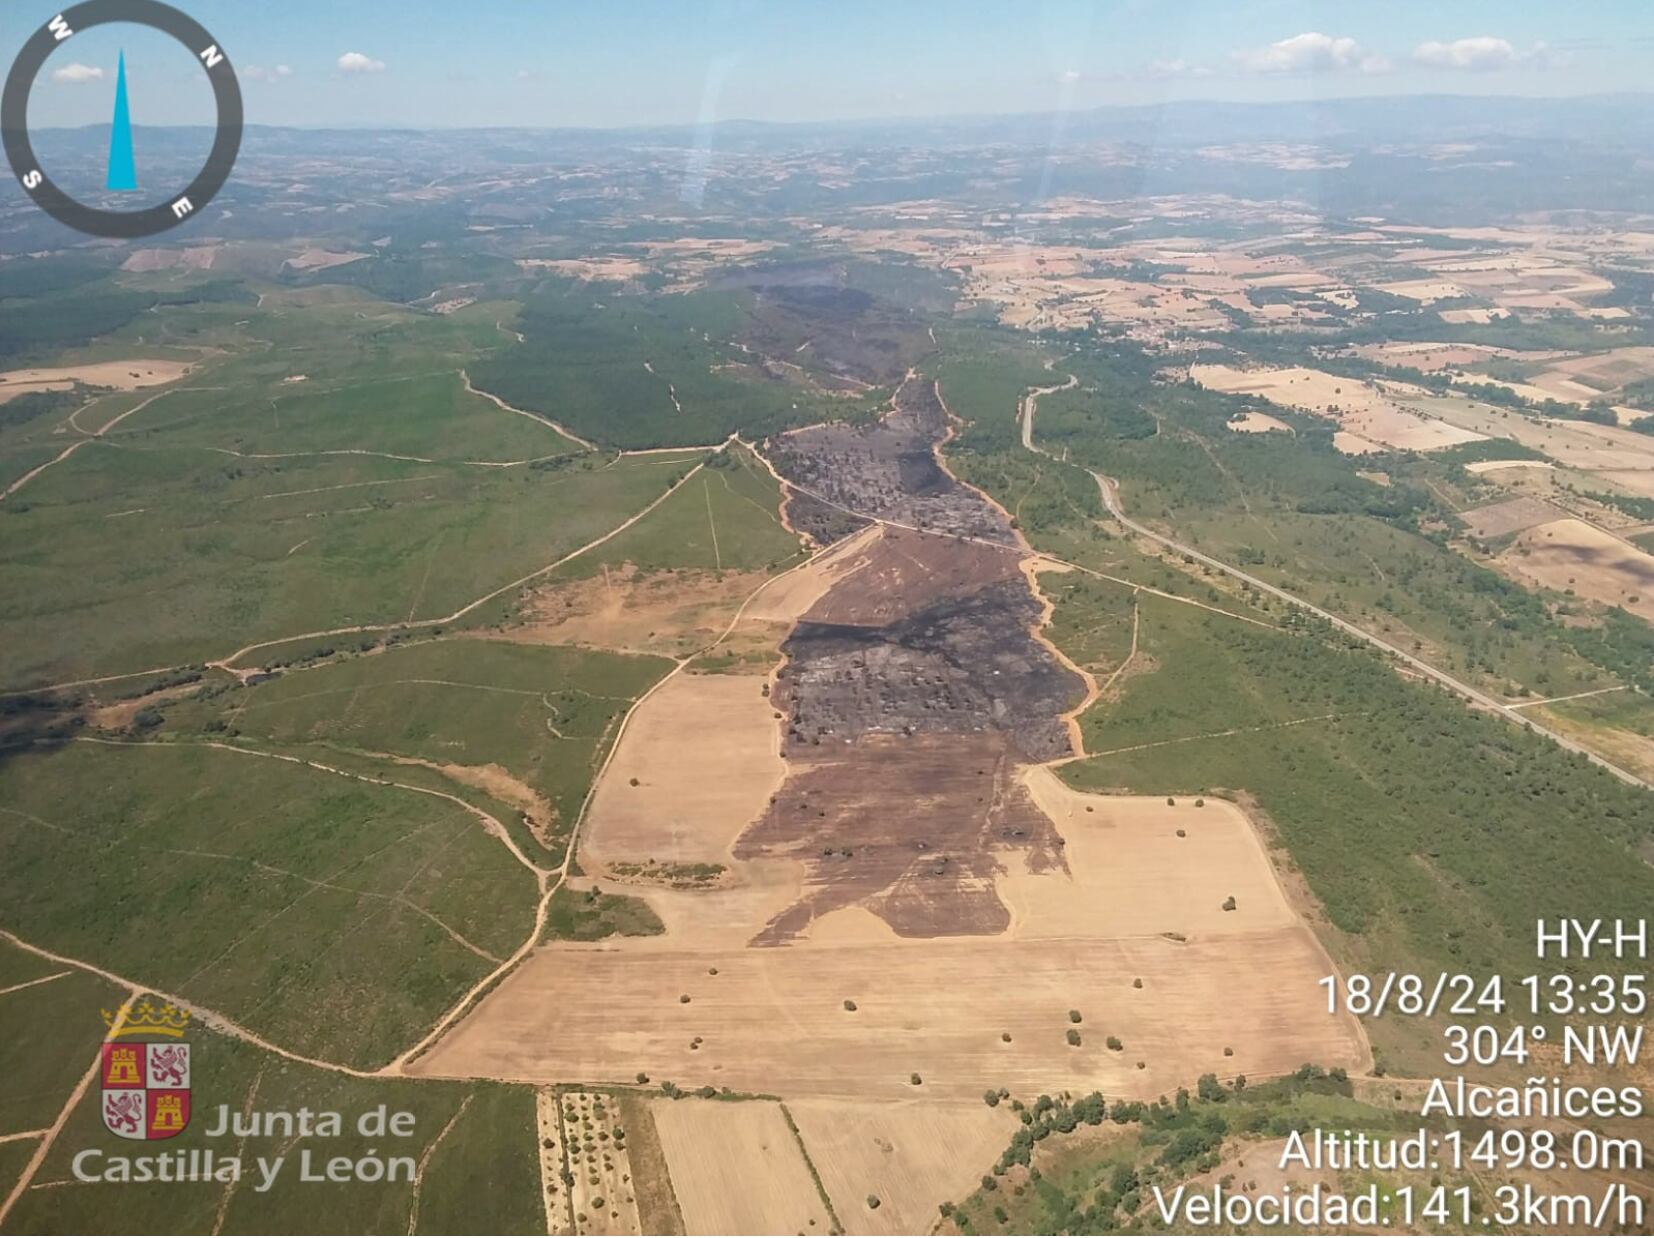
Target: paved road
{"x": 1111, "y": 500}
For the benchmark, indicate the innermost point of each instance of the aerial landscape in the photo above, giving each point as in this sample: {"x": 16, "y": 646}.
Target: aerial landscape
{"x": 900, "y": 664}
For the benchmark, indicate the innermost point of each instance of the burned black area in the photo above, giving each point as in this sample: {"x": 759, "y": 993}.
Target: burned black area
{"x": 826, "y": 304}
{"x": 808, "y": 314}
{"x": 920, "y": 474}
{"x": 911, "y": 827}
{"x": 889, "y": 470}
{"x": 913, "y": 694}
{"x": 820, "y": 522}
{"x": 817, "y": 273}
{"x": 967, "y": 664}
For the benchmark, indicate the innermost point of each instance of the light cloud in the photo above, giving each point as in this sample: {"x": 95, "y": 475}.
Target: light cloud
{"x": 1312, "y": 52}
{"x": 258, "y": 73}
{"x": 77, "y": 72}
{"x": 1154, "y": 71}
{"x": 356, "y": 62}
{"x": 1179, "y": 67}
{"x": 1481, "y": 53}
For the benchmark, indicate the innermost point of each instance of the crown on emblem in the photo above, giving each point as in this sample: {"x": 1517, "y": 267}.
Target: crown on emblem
{"x": 147, "y": 1019}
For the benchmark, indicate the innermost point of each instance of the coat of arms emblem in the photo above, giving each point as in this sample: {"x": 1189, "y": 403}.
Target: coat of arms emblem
{"x": 146, "y": 1080}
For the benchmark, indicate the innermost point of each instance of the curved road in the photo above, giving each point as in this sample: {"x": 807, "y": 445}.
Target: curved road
{"x": 1111, "y": 500}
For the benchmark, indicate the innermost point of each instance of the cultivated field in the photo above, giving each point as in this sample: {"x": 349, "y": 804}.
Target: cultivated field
{"x": 1136, "y": 866}
{"x": 680, "y": 791}
{"x": 906, "y": 1157}
{"x": 604, "y": 1195}
{"x": 321, "y": 260}
{"x": 1575, "y": 444}
{"x": 114, "y": 375}
{"x": 737, "y": 1169}
{"x": 1509, "y": 516}
{"x": 1254, "y": 422}
{"x": 1372, "y": 416}
{"x": 937, "y": 1008}
{"x": 1138, "y": 902}
{"x": 556, "y": 1194}
{"x": 1572, "y": 556}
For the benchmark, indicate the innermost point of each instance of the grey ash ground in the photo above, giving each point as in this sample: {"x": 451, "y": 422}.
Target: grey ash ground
{"x": 913, "y": 693}
{"x": 889, "y": 470}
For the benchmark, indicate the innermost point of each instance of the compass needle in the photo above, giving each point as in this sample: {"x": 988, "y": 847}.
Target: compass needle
{"x": 179, "y": 205}
{"x": 123, "y": 171}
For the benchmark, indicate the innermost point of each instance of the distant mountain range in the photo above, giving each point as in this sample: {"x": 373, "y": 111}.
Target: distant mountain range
{"x": 1611, "y": 120}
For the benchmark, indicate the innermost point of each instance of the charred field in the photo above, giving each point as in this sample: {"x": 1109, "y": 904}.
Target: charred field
{"x": 912, "y": 694}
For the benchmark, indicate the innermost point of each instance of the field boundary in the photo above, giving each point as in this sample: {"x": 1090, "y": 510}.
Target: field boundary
{"x": 809, "y": 1163}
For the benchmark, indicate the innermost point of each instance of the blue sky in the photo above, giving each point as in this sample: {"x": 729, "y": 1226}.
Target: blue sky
{"x": 430, "y": 63}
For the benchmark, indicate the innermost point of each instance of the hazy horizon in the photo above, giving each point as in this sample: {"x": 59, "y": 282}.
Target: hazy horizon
{"x": 894, "y": 119}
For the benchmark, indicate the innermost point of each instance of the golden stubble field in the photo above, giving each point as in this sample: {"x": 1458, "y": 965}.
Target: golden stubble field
{"x": 907, "y": 1157}
{"x": 1370, "y": 416}
{"x": 114, "y": 375}
{"x": 737, "y": 1168}
{"x": 1572, "y": 556}
{"x": 699, "y": 759}
{"x": 1134, "y": 936}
